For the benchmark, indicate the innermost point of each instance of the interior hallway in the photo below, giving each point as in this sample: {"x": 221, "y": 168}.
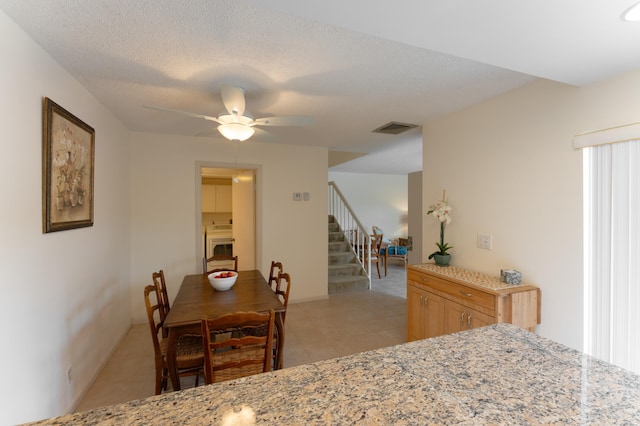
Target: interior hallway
{"x": 340, "y": 325}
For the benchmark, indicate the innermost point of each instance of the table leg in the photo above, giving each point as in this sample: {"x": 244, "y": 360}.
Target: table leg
{"x": 171, "y": 359}
{"x": 279, "y": 361}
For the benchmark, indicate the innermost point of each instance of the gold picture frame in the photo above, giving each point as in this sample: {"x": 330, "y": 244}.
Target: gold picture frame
{"x": 68, "y": 146}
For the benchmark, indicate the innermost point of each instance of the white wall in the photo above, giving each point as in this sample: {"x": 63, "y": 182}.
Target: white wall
{"x": 65, "y": 294}
{"x": 379, "y": 200}
{"x": 510, "y": 171}
{"x": 164, "y": 231}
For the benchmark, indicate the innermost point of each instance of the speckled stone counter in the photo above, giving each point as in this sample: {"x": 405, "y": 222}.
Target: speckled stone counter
{"x": 497, "y": 374}
{"x": 466, "y": 276}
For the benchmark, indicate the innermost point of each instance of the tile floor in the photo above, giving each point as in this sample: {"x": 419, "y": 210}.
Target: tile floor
{"x": 340, "y": 325}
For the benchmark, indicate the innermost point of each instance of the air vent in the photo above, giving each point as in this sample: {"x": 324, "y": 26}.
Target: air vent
{"x": 394, "y": 128}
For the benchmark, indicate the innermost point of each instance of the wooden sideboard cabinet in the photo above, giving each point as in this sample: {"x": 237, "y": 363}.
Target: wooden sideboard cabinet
{"x": 442, "y": 300}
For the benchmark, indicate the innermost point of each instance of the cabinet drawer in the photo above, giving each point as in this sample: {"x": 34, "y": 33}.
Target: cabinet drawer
{"x": 467, "y": 295}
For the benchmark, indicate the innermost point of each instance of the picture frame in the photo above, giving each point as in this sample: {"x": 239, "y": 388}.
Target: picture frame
{"x": 68, "y": 150}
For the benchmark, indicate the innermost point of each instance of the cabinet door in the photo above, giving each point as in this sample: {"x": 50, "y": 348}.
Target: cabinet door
{"x": 223, "y": 198}
{"x": 208, "y": 198}
{"x": 424, "y": 314}
{"x": 433, "y": 315}
{"x": 458, "y": 317}
{"x": 455, "y": 316}
{"x": 477, "y": 319}
{"x": 415, "y": 314}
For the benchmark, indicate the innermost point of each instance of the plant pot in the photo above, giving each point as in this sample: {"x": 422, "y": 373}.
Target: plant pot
{"x": 442, "y": 259}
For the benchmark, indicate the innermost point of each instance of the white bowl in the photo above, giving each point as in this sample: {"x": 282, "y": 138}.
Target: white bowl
{"x": 222, "y": 284}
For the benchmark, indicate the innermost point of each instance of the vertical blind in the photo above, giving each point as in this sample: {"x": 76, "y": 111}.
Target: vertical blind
{"x": 612, "y": 252}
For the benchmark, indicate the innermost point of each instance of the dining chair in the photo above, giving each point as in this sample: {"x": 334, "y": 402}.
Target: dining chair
{"x": 205, "y": 263}
{"x": 282, "y": 291}
{"x": 228, "y": 357}
{"x": 163, "y": 297}
{"x": 189, "y": 352}
{"x": 276, "y": 268}
{"x": 376, "y": 257}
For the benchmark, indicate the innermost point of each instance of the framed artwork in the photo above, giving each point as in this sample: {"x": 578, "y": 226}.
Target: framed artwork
{"x": 68, "y": 146}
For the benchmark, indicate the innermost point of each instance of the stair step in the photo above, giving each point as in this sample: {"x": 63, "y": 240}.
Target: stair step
{"x": 336, "y": 236}
{"x": 342, "y": 284}
{"x": 342, "y": 269}
{"x": 341, "y": 257}
{"x": 338, "y": 247}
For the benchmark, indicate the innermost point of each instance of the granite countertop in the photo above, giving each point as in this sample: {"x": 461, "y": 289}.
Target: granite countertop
{"x": 496, "y": 374}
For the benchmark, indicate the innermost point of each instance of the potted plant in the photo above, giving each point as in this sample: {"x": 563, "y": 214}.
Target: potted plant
{"x": 441, "y": 211}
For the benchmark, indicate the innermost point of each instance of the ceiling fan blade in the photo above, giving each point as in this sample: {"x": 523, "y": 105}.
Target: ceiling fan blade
{"x": 289, "y": 120}
{"x": 233, "y": 99}
{"x": 264, "y": 136}
{"x": 187, "y": 113}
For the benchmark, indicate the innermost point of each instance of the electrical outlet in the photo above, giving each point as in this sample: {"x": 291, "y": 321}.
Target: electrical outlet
{"x": 69, "y": 375}
{"x": 297, "y": 196}
{"x": 484, "y": 242}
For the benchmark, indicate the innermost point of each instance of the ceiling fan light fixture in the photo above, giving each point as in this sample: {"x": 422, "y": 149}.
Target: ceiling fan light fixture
{"x": 632, "y": 14}
{"x": 235, "y": 118}
{"x": 236, "y": 131}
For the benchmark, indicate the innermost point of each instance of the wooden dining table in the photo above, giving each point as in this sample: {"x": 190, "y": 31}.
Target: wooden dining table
{"x": 196, "y": 299}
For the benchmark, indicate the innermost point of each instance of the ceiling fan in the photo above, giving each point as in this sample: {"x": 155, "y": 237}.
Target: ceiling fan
{"x": 237, "y": 124}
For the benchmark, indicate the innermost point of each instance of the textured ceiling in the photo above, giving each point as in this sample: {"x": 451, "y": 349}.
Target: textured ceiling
{"x": 354, "y": 66}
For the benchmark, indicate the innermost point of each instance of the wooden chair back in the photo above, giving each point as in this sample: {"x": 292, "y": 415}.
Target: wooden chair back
{"x": 282, "y": 291}
{"x": 163, "y": 296}
{"x": 205, "y": 263}
{"x": 155, "y": 325}
{"x": 227, "y": 357}
{"x": 276, "y": 268}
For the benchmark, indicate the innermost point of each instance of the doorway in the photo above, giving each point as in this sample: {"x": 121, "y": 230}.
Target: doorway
{"x": 228, "y": 197}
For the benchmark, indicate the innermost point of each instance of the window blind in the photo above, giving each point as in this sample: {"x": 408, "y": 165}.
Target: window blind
{"x": 612, "y": 252}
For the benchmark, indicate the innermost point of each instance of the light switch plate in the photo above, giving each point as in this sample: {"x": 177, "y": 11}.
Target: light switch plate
{"x": 484, "y": 242}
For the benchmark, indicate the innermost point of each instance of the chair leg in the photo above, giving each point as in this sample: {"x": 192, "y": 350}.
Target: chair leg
{"x": 159, "y": 380}
{"x": 378, "y": 266}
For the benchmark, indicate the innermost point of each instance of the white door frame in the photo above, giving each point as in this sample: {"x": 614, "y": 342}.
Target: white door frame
{"x": 199, "y": 165}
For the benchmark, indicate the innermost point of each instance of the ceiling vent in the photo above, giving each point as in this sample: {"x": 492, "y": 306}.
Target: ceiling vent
{"x": 394, "y": 128}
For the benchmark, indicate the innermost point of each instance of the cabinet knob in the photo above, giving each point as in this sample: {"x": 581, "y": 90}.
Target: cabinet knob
{"x": 426, "y": 280}
{"x": 469, "y": 321}
{"x": 462, "y": 318}
{"x": 466, "y": 294}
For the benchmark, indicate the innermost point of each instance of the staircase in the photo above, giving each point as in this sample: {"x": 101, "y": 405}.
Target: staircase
{"x": 345, "y": 271}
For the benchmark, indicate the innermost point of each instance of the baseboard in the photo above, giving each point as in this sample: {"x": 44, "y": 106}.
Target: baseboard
{"x": 310, "y": 299}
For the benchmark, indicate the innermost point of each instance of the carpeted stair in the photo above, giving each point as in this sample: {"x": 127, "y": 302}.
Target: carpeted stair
{"x": 345, "y": 273}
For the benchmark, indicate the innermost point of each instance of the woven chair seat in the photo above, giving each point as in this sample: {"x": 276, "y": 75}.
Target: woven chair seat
{"x": 222, "y": 359}
{"x": 188, "y": 349}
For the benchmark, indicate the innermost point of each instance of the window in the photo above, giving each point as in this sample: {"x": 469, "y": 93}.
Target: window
{"x": 612, "y": 252}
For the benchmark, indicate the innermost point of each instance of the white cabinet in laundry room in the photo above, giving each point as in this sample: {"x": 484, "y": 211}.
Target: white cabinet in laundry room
{"x": 216, "y": 198}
